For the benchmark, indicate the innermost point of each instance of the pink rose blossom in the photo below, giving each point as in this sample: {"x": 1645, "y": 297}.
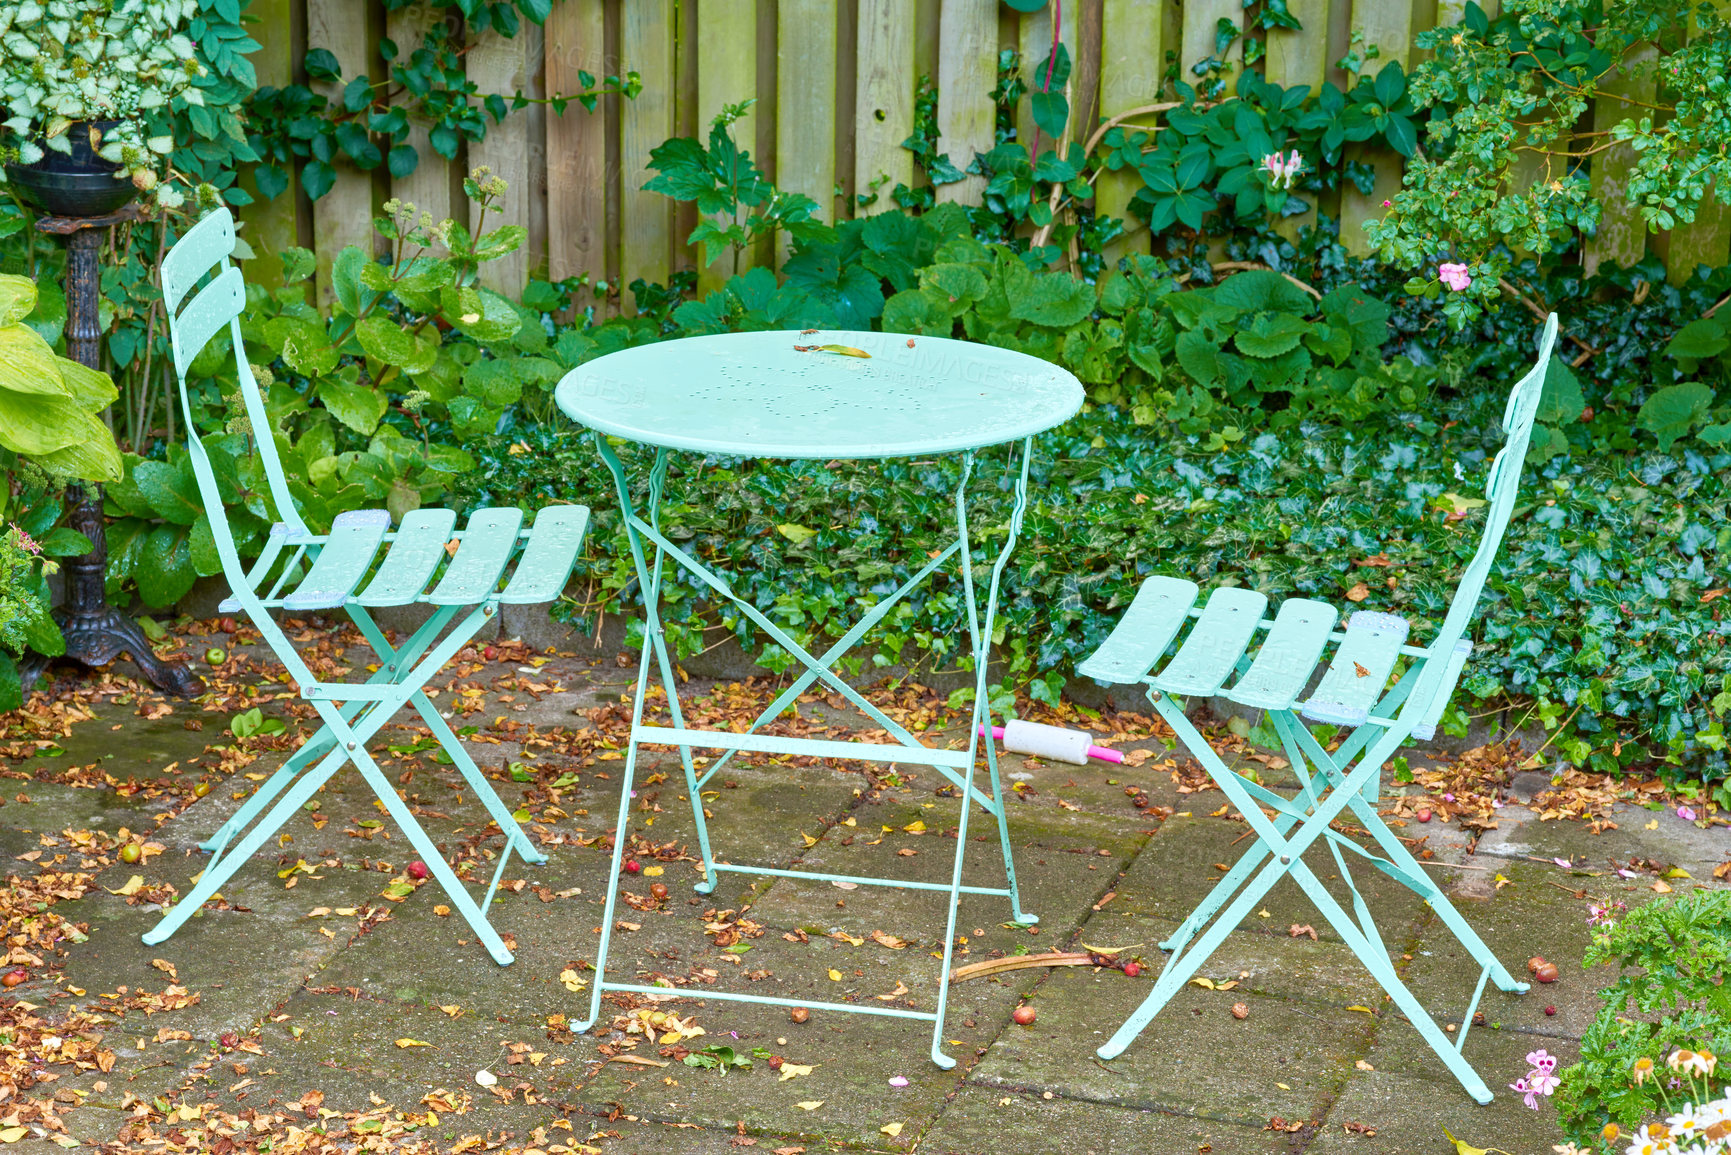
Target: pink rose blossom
{"x": 1454, "y": 275}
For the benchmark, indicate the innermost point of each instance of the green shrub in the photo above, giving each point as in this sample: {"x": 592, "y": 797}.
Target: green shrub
{"x": 1670, "y": 995}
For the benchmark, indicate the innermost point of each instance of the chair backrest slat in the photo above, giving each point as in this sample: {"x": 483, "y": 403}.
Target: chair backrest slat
{"x": 1502, "y": 486}
{"x": 209, "y": 311}
{"x": 1501, "y": 489}
{"x": 205, "y": 248}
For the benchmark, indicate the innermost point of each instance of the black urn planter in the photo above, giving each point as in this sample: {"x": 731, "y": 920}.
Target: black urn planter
{"x": 79, "y": 185}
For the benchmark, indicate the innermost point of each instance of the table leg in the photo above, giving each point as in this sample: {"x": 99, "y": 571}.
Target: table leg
{"x": 980, "y": 637}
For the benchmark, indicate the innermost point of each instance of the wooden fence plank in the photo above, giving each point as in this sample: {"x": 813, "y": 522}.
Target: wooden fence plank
{"x": 1622, "y": 237}
{"x": 1201, "y": 28}
{"x": 805, "y": 100}
{"x": 428, "y": 188}
{"x": 645, "y": 218}
{"x": 967, "y": 69}
{"x": 505, "y": 66}
{"x": 343, "y": 216}
{"x": 1707, "y": 239}
{"x": 270, "y": 226}
{"x": 884, "y": 104}
{"x": 576, "y": 146}
{"x": 1300, "y": 58}
{"x": 1035, "y": 45}
{"x": 726, "y": 74}
{"x": 1387, "y": 25}
{"x": 1132, "y": 60}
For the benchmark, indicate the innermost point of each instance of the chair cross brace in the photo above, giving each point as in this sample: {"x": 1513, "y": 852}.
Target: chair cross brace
{"x": 1282, "y": 841}
{"x": 342, "y": 739}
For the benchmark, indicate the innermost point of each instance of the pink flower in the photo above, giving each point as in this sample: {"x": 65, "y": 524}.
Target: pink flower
{"x": 1388, "y": 204}
{"x": 1454, "y": 275}
{"x": 1282, "y": 170}
{"x": 1525, "y": 1089}
{"x": 1686, "y": 813}
{"x": 24, "y": 541}
{"x": 1542, "y": 1062}
{"x": 899, "y": 1081}
{"x": 1542, "y": 1084}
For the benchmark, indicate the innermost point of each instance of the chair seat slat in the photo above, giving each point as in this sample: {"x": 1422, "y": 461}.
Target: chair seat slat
{"x": 1288, "y": 655}
{"x": 1143, "y": 633}
{"x": 488, "y": 541}
{"x": 1211, "y": 652}
{"x": 1359, "y": 672}
{"x": 342, "y": 562}
{"x": 414, "y": 556}
{"x": 548, "y": 556}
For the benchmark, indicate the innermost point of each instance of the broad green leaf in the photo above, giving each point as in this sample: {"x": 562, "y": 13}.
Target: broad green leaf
{"x": 17, "y": 298}
{"x": 1272, "y": 334}
{"x": 94, "y": 457}
{"x": 28, "y": 365}
{"x": 386, "y": 341}
{"x": 360, "y": 407}
{"x": 1561, "y": 402}
{"x": 36, "y": 424}
{"x": 1699, "y": 340}
{"x": 1263, "y": 290}
{"x": 165, "y": 571}
{"x": 1671, "y": 412}
{"x": 171, "y": 490}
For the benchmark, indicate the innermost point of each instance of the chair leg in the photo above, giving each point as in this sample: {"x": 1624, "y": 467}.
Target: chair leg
{"x": 1375, "y": 959}
{"x": 220, "y": 869}
{"x": 411, "y": 829}
{"x": 513, "y": 831}
{"x": 394, "y": 665}
{"x": 1400, "y": 856}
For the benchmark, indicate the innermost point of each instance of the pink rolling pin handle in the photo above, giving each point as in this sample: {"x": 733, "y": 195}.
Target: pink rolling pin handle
{"x": 1099, "y": 752}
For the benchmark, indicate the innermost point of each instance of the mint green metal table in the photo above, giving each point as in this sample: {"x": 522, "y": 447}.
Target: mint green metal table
{"x": 774, "y": 395}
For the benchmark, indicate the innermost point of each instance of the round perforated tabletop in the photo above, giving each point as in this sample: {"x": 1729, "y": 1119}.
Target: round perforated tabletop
{"x": 757, "y": 395}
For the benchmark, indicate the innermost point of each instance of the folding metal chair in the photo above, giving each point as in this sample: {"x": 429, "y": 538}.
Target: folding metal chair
{"x": 324, "y": 572}
{"x": 1354, "y": 691}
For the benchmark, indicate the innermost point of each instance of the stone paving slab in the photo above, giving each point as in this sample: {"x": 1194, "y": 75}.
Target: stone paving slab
{"x": 1197, "y": 1078}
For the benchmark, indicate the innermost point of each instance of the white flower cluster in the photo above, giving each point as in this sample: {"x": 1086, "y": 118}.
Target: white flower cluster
{"x": 1697, "y": 1129}
{"x": 66, "y": 61}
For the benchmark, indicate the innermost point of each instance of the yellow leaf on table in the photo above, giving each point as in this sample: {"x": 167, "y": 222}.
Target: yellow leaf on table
{"x": 406, "y": 1043}
{"x": 132, "y": 887}
{"x": 1661, "y": 887}
{"x": 13, "y": 1134}
{"x": 1366, "y": 1010}
{"x": 794, "y": 1071}
{"x": 1205, "y": 983}
{"x": 654, "y": 871}
{"x": 809, "y": 840}
{"x": 809, "y": 1104}
{"x": 834, "y": 975}
{"x": 1283, "y": 1086}
{"x": 572, "y": 981}
{"x": 893, "y": 1130}
{"x": 442, "y": 910}
{"x": 452, "y": 1009}
{"x": 1678, "y": 872}
{"x": 1653, "y": 825}
{"x": 915, "y": 827}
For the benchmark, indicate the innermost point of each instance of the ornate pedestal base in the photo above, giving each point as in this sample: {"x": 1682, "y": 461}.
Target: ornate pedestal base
{"x": 96, "y": 633}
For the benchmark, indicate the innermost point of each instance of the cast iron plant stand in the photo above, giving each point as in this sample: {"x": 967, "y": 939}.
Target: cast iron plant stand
{"x": 96, "y": 633}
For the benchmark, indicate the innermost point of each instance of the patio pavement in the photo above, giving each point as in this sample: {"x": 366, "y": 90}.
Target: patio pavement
{"x": 323, "y": 1012}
